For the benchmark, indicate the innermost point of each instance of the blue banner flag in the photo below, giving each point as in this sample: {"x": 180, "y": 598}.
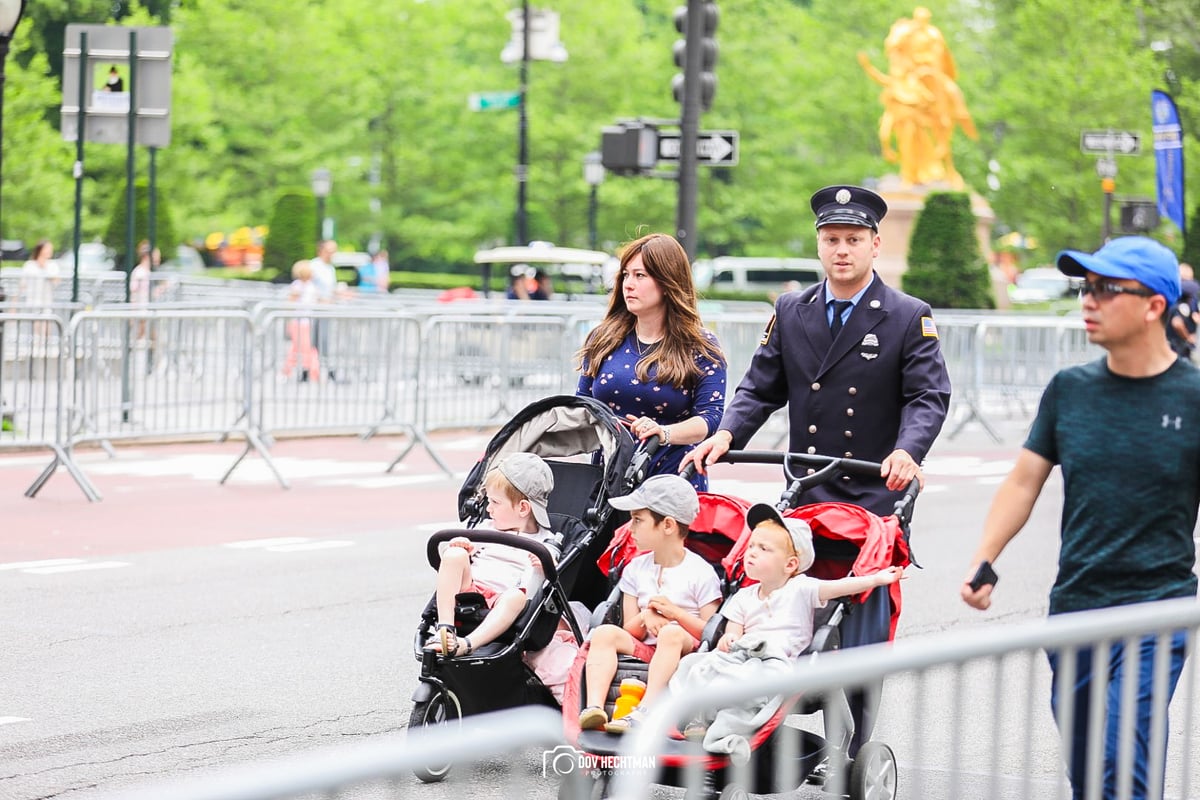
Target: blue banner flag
{"x": 1168, "y": 157}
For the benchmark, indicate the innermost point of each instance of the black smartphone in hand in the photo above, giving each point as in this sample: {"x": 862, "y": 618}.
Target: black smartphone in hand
{"x": 984, "y": 576}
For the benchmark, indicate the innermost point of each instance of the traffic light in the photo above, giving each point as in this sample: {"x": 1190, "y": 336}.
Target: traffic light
{"x": 698, "y": 33}
{"x": 629, "y": 147}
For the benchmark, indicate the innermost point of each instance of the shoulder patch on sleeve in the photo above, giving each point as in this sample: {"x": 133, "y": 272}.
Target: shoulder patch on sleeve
{"x": 766, "y": 337}
{"x": 928, "y": 328}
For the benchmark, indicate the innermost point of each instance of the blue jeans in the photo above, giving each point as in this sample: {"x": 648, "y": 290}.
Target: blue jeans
{"x": 1077, "y": 760}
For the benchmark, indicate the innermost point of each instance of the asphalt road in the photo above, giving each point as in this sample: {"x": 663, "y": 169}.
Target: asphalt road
{"x": 180, "y": 626}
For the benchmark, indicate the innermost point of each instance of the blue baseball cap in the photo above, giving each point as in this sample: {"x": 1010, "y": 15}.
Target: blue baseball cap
{"x": 1133, "y": 257}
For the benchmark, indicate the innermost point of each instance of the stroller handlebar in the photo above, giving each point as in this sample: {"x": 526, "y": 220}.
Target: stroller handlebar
{"x": 433, "y": 553}
{"x": 827, "y": 468}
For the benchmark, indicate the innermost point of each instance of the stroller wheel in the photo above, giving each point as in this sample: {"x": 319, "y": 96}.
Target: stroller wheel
{"x": 873, "y": 774}
{"x": 440, "y": 709}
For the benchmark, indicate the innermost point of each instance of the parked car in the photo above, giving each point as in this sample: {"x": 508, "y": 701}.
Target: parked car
{"x": 570, "y": 269}
{"x": 93, "y": 257}
{"x": 1041, "y": 285}
{"x": 737, "y": 274}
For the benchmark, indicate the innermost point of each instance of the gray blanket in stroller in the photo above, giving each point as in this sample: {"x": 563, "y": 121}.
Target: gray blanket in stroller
{"x": 750, "y": 658}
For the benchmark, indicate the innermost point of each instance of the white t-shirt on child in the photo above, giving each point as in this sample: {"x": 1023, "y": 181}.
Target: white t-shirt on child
{"x": 785, "y": 615}
{"x": 690, "y": 584}
{"x": 500, "y": 567}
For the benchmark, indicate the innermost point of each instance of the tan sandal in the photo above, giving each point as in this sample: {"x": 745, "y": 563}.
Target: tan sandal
{"x": 592, "y": 718}
{"x": 444, "y": 639}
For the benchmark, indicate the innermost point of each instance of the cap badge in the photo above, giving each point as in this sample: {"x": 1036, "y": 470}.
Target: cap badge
{"x": 842, "y": 197}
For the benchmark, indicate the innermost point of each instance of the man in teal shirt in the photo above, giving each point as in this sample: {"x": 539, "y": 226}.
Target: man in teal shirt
{"x": 1126, "y": 431}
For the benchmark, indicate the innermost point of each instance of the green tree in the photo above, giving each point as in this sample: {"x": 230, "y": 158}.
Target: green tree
{"x": 292, "y": 232}
{"x": 164, "y": 229}
{"x": 1191, "y": 246}
{"x": 945, "y": 268}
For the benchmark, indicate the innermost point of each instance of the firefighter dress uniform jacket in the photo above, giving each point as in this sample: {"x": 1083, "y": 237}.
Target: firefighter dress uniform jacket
{"x": 881, "y": 386}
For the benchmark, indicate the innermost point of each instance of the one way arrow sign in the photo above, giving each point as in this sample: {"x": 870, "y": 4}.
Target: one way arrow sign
{"x": 1121, "y": 143}
{"x": 713, "y": 148}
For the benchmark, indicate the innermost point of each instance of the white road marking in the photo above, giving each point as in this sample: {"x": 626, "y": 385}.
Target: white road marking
{"x": 86, "y": 565}
{"x": 318, "y": 545}
{"x": 11, "y": 720}
{"x": 50, "y": 562}
{"x": 434, "y": 527}
{"x": 264, "y": 543}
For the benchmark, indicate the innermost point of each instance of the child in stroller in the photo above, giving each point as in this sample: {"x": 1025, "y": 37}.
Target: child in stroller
{"x": 667, "y": 594}
{"x": 848, "y": 540}
{"x": 768, "y": 624}
{"x": 464, "y": 675}
{"x": 518, "y": 493}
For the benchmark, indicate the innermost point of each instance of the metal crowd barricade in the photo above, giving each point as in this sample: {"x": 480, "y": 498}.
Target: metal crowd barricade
{"x": 478, "y": 370}
{"x": 502, "y": 742}
{"x": 334, "y": 370}
{"x": 967, "y": 713}
{"x": 1007, "y": 362}
{"x": 33, "y": 392}
{"x": 153, "y": 372}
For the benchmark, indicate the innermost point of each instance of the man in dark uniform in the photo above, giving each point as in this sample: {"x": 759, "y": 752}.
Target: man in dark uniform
{"x": 860, "y": 367}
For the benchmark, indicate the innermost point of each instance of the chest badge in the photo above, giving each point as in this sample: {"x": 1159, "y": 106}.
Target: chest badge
{"x": 870, "y": 347}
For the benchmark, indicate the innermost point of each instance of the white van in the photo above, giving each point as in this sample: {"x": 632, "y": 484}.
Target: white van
{"x": 748, "y": 274}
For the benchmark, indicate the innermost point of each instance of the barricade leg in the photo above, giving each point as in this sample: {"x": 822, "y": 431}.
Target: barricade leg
{"x": 61, "y": 456}
{"x": 253, "y": 442}
{"x": 415, "y": 437}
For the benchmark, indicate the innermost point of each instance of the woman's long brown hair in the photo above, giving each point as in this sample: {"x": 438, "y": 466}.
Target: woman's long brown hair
{"x": 684, "y": 335}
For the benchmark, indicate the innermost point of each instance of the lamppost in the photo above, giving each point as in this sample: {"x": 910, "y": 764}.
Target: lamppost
{"x": 10, "y": 16}
{"x": 593, "y": 174}
{"x": 527, "y": 45}
{"x": 322, "y": 184}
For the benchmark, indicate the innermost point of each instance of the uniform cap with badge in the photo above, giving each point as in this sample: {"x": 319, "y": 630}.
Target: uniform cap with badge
{"x": 848, "y": 205}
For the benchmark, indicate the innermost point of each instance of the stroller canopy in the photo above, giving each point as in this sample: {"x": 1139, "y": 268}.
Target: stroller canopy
{"x": 562, "y": 426}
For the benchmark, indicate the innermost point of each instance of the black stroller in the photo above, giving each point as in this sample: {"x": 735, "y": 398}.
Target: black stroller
{"x": 847, "y": 539}
{"x": 592, "y": 458}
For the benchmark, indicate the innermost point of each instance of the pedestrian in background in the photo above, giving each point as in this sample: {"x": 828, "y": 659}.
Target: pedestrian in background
{"x": 1126, "y": 431}
{"x": 39, "y": 276}
{"x": 860, "y": 368}
{"x": 1184, "y": 316}
{"x": 651, "y": 360}
{"x": 302, "y": 292}
{"x": 324, "y": 279}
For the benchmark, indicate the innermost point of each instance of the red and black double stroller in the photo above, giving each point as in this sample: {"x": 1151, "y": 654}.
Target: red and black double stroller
{"x": 847, "y": 540}
{"x": 592, "y": 458}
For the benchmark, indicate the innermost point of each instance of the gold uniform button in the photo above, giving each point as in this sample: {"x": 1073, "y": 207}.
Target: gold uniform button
{"x": 849, "y": 434}
{"x": 849, "y": 412}
{"x": 853, "y": 391}
{"x": 849, "y": 454}
{"x": 816, "y": 387}
{"x": 811, "y": 450}
{"x": 812, "y": 428}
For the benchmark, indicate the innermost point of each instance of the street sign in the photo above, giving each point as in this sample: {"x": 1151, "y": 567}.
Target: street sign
{"x": 1103, "y": 143}
{"x": 1106, "y": 167}
{"x": 493, "y": 101}
{"x": 713, "y": 148}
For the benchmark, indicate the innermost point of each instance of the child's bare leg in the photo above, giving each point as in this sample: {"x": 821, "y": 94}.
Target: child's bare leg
{"x": 502, "y": 615}
{"x": 607, "y": 642}
{"x": 673, "y": 644}
{"x": 454, "y": 576}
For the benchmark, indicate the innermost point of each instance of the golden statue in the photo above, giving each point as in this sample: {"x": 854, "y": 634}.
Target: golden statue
{"x": 921, "y": 100}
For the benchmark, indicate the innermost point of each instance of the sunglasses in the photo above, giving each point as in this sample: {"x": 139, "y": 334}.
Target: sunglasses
{"x": 1106, "y": 290}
